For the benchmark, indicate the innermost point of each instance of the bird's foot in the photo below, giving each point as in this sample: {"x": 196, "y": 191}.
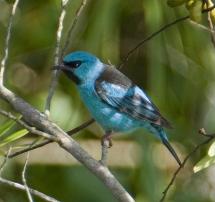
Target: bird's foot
{"x": 106, "y": 140}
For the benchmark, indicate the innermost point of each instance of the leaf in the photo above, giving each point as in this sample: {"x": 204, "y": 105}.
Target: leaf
{"x": 6, "y": 127}
{"x": 211, "y": 151}
{"x": 175, "y": 3}
{"x": 195, "y": 10}
{"x": 14, "y": 136}
{"x": 204, "y": 163}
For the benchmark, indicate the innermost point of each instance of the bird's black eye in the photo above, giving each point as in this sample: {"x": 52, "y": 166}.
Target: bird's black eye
{"x": 73, "y": 64}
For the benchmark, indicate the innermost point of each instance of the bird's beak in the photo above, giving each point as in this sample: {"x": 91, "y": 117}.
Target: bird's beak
{"x": 61, "y": 67}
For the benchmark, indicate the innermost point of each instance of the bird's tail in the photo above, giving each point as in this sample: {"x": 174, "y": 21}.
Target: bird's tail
{"x": 165, "y": 141}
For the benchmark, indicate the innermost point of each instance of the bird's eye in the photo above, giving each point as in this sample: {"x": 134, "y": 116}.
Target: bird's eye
{"x": 73, "y": 64}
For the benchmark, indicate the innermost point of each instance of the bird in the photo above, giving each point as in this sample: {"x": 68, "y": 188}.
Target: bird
{"x": 114, "y": 101}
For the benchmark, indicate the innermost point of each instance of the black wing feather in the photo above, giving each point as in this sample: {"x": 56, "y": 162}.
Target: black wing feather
{"x": 131, "y": 103}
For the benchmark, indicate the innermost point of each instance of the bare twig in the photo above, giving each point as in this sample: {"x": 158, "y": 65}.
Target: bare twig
{"x": 202, "y": 27}
{"x": 56, "y": 73}
{"x": 75, "y": 20}
{"x": 45, "y": 142}
{"x": 166, "y": 26}
{"x": 32, "y": 191}
{"x": 196, "y": 148}
{"x": 210, "y": 22}
{"x": 30, "y": 198}
{"x": 7, "y": 40}
{"x": 4, "y": 161}
{"x": 20, "y": 186}
{"x": 25, "y": 125}
{"x": 38, "y": 120}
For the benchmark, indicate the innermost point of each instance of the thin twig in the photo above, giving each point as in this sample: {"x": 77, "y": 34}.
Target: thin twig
{"x": 211, "y": 25}
{"x": 25, "y": 125}
{"x": 196, "y": 148}
{"x": 7, "y": 41}
{"x": 23, "y": 187}
{"x": 30, "y": 198}
{"x": 5, "y": 161}
{"x": 166, "y": 26}
{"x": 33, "y": 191}
{"x": 75, "y": 20}
{"x": 45, "y": 142}
{"x": 152, "y": 36}
{"x": 202, "y": 26}
{"x": 37, "y": 119}
{"x": 55, "y": 73}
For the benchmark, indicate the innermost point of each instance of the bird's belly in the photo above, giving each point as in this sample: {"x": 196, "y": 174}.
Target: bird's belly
{"x": 108, "y": 117}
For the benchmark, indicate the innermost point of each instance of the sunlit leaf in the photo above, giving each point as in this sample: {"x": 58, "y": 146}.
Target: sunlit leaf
{"x": 14, "y": 136}
{"x": 195, "y": 10}
{"x": 6, "y": 127}
{"x": 204, "y": 163}
{"x": 211, "y": 151}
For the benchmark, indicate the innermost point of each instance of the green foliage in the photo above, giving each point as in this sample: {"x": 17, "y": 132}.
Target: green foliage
{"x": 206, "y": 161}
{"x": 6, "y": 126}
{"x": 175, "y": 3}
{"x": 6, "y": 137}
{"x": 195, "y": 10}
{"x": 176, "y": 68}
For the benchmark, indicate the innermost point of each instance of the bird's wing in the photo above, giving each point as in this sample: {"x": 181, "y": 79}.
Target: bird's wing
{"x": 115, "y": 89}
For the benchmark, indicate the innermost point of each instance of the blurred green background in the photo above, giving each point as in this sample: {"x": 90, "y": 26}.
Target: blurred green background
{"x": 176, "y": 68}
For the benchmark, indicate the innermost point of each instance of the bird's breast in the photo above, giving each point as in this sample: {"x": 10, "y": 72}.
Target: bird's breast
{"x": 107, "y": 116}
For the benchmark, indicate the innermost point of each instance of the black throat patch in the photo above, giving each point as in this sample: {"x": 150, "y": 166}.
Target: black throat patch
{"x": 73, "y": 77}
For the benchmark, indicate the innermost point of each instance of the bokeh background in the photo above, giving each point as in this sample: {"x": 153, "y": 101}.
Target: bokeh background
{"x": 176, "y": 69}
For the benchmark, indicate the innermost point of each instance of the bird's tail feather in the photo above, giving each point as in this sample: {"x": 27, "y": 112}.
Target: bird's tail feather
{"x": 165, "y": 141}
{"x": 171, "y": 150}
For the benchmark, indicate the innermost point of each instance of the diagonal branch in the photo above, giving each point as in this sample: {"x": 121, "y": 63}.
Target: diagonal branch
{"x": 210, "y": 137}
{"x": 4, "y": 161}
{"x": 166, "y": 26}
{"x": 25, "y": 125}
{"x": 24, "y": 180}
{"x": 41, "y": 122}
{"x": 56, "y": 73}
{"x": 7, "y": 40}
{"x": 45, "y": 142}
{"x": 20, "y": 186}
{"x": 75, "y": 20}
{"x": 32, "y": 191}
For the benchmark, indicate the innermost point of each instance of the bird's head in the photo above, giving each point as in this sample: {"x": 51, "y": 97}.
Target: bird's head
{"x": 81, "y": 66}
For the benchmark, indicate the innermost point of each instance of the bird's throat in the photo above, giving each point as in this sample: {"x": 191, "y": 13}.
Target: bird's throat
{"x": 73, "y": 77}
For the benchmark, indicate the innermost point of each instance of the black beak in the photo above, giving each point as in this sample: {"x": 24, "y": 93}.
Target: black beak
{"x": 61, "y": 67}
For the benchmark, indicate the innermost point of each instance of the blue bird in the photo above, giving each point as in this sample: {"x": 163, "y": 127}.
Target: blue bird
{"x": 114, "y": 101}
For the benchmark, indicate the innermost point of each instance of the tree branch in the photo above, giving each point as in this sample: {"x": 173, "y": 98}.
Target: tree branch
{"x": 4, "y": 161}
{"x": 75, "y": 20}
{"x": 7, "y": 40}
{"x": 45, "y": 142}
{"x": 41, "y": 122}
{"x": 32, "y": 191}
{"x": 30, "y": 198}
{"x": 166, "y": 26}
{"x": 196, "y": 148}
{"x": 25, "y": 125}
{"x": 56, "y": 73}
{"x": 20, "y": 186}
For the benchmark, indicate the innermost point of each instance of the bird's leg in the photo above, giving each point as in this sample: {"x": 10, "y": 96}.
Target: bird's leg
{"x": 106, "y": 143}
{"x": 107, "y": 138}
